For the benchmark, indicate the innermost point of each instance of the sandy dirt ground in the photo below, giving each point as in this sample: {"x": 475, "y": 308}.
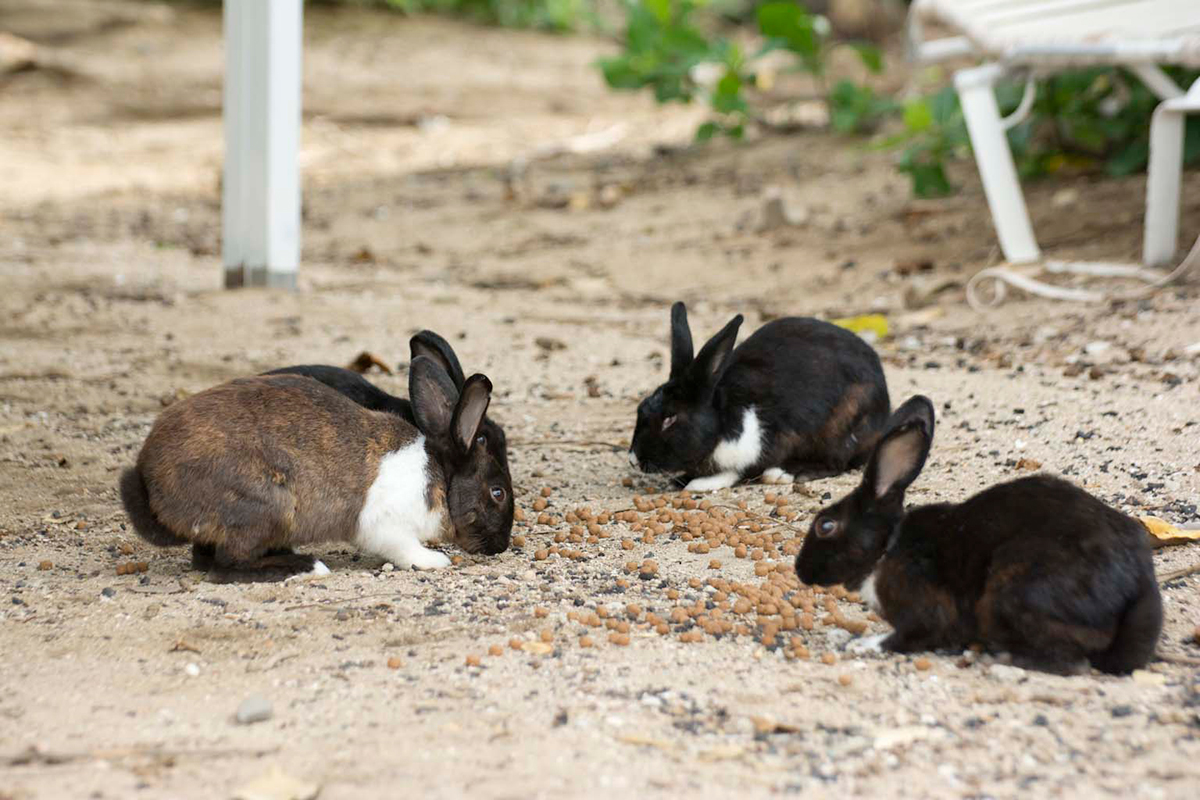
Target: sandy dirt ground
{"x": 554, "y": 280}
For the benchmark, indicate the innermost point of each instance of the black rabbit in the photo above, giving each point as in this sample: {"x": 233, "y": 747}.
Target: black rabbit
{"x": 1035, "y": 567}
{"x": 799, "y": 395}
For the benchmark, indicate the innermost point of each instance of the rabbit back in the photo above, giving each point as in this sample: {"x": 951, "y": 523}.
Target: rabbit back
{"x": 819, "y": 388}
{"x": 265, "y": 462}
{"x": 354, "y": 386}
{"x": 1036, "y": 567}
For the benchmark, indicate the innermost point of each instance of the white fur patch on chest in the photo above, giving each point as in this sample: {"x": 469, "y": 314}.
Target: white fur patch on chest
{"x": 738, "y": 455}
{"x": 395, "y": 513}
{"x": 869, "y": 594}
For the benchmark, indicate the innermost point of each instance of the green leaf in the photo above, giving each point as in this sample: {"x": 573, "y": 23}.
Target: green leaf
{"x": 661, "y": 9}
{"x": 929, "y": 180}
{"x": 793, "y": 26}
{"x": 707, "y": 131}
{"x": 1129, "y": 160}
{"x": 917, "y": 115}
{"x": 872, "y": 56}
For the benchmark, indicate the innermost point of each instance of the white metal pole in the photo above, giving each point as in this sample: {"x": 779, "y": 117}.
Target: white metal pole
{"x": 260, "y": 216}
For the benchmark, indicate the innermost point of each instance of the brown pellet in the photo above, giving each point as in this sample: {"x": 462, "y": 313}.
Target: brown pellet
{"x": 518, "y": 541}
{"x": 714, "y": 564}
{"x": 45, "y": 565}
{"x": 516, "y": 643}
{"x": 585, "y": 641}
{"x": 541, "y": 555}
{"x": 627, "y": 544}
{"x": 828, "y": 659}
{"x": 633, "y": 610}
{"x": 547, "y": 635}
{"x": 540, "y": 612}
{"x": 394, "y": 663}
{"x": 473, "y": 661}
{"x": 496, "y": 650}
{"x": 922, "y": 664}
{"x": 845, "y": 680}
{"x": 539, "y": 504}
{"x": 619, "y": 639}
{"x": 546, "y": 491}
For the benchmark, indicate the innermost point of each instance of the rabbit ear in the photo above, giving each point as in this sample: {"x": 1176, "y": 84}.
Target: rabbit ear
{"x": 901, "y": 453}
{"x": 468, "y": 413}
{"x": 433, "y": 396}
{"x": 430, "y": 345}
{"x": 681, "y": 340}
{"x": 714, "y": 356}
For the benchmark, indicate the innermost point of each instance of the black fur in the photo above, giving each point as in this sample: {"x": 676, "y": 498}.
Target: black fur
{"x": 818, "y": 390}
{"x": 1036, "y": 566}
{"x": 353, "y": 386}
{"x": 366, "y": 394}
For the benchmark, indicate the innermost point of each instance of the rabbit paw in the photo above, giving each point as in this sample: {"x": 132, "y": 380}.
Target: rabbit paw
{"x": 776, "y": 475}
{"x": 427, "y": 559}
{"x": 867, "y": 644}
{"x": 710, "y": 483}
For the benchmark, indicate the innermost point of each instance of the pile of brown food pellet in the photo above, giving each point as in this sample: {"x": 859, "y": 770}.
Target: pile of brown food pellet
{"x": 776, "y": 609}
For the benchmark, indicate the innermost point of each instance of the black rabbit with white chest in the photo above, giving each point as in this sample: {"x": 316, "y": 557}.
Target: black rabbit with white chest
{"x": 798, "y": 395}
{"x": 1035, "y": 567}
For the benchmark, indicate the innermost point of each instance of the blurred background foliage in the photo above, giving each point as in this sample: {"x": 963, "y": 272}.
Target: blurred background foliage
{"x": 727, "y": 55}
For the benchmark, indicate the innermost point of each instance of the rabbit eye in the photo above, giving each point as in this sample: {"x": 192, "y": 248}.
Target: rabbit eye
{"x": 481, "y": 439}
{"x": 669, "y": 421}
{"x": 826, "y": 527}
{"x": 497, "y": 493}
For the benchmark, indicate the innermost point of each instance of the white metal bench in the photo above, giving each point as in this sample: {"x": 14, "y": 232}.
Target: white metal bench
{"x": 1038, "y": 37}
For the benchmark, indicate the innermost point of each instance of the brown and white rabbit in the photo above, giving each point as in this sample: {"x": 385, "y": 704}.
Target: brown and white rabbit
{"x": 799, "y": 395}
{"x": 260, "y": 464}
{"x": 1036, "y": 567}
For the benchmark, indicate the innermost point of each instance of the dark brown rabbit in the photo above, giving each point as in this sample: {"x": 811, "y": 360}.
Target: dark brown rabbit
{"x": 1035, "y": 567}
{"x": 270, "y": 462}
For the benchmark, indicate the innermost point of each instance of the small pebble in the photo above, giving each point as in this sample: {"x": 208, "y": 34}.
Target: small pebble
{"x": 108, "y": 591}
{"x": 388, "y": 567}
{"x": 255, "y": 708}
{"x": 45, "y": 565}
{"x": 192, "y": 669}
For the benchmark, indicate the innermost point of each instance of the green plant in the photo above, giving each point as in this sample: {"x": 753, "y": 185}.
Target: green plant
{"x": 666, "y": 46}
{"x": 1087, "y": 119}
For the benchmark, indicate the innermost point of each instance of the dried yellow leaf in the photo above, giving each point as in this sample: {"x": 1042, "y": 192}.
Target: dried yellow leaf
{"x": 1163, "y": 533}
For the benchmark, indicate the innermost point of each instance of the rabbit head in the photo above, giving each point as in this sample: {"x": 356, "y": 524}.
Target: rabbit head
{"x": 477, "y": 485}
{"x": 678, "y": 425}
{"x": 847, "y": 538}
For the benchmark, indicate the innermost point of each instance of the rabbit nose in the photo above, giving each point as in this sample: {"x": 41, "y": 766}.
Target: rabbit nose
{"x": 633, "y": 459}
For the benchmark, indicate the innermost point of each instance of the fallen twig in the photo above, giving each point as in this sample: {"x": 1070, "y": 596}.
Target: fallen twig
{"x": 1171, "y": 658}
{"x": 36, "y": 755}
{"x": 577, "y": 442}
{"x": 1179, "y": 573}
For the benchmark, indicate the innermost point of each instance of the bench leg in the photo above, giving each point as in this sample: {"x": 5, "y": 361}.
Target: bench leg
{"x": 995, "y": 162}
{"x": 261, "y": 183}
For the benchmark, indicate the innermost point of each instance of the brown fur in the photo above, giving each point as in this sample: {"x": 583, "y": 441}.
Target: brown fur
{"x": 228, "y": 466}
